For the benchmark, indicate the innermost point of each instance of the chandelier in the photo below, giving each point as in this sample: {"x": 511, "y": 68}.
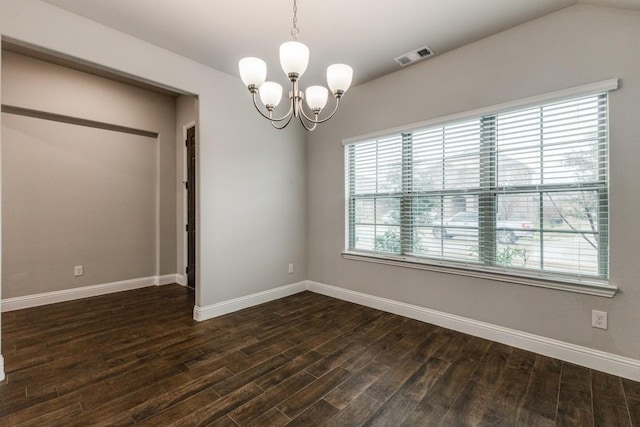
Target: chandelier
{"x": 294, "y": 58}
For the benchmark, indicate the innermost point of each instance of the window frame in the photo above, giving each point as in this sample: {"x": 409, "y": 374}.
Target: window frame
{"x": 488, "y": 192}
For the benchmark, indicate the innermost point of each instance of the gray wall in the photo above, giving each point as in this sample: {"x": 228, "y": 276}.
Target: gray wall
{"x": 252, "y": 210}
{"x": 574, "y": 46}
{"x": 259, "y": 209}
{"x": 257, "y": 215}
{"x": 74, "y": 195}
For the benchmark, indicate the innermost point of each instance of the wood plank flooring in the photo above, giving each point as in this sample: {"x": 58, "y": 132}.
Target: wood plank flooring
{"x": 138, "y": 357}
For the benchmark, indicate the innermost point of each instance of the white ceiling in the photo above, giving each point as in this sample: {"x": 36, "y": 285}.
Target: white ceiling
{"x": 365, "y": 34}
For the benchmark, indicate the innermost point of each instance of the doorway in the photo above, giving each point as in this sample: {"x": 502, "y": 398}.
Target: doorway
{"x": 191, "y": 207}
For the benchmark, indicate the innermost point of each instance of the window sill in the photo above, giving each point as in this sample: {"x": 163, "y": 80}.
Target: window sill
{"x": 596, "y": 288}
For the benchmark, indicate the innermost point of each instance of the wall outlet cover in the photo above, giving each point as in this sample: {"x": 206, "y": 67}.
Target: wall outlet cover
{"x": 78, "y": 270}
{"x": 599, "y": 319}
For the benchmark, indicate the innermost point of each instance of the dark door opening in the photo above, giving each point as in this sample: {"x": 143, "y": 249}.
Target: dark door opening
{"x": 191, "y": 207}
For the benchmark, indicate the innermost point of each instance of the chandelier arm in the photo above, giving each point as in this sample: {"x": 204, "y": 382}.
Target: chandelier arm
{"x": 273, "y": 123}
{"x": 316, "y": 121}
{"x": 304, "y": 124}
{"x": 255, "y": 104}
{"x": 286, "y": 116}
{"x": 268, "y": 117}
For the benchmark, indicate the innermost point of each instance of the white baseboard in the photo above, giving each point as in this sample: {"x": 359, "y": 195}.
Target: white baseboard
{"x": 27, "y": 301}
{"x": 579, "y": 355}
{"x": 167, "y": 279}
{"x": 584, "y": 356}
{"x": 181, "y": 279}
{"x": 225, "y": 307}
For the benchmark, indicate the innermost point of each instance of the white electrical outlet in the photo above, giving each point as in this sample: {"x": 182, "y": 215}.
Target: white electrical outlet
{"x": 78, "y": 270}
{"x": 599, "y": 319}
{"x": 290, "y": 268}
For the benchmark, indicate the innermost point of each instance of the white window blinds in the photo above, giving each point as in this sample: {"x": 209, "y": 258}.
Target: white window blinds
{"x": 521, "y": 192}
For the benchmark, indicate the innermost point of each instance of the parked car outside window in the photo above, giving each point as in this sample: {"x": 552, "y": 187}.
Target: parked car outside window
{"x": 466, "y": 224}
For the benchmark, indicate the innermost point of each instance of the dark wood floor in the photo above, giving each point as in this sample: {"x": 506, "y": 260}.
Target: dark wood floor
{"x": 138, "y": 358}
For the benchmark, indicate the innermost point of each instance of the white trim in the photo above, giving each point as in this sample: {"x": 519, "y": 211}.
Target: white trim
{"x": 579, "y": 355}
{"x": 167, "y": 279}
{"x": 27, "y": 301}
{"x": 1, "y": 368}
{"x": 18, "y": 303}
{"x": 225, "y": 307}
{"x": 584, "y": 356}
{"x": 596, "y": 288}
{"x": 181, "y": 279}
{"x": 591, "y": 88}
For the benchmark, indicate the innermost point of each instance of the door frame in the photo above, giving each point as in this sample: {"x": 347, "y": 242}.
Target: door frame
{"x": 185, "y": 205}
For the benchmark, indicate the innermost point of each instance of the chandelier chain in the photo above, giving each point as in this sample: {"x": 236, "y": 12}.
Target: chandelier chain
{"x": 295, "y": 31}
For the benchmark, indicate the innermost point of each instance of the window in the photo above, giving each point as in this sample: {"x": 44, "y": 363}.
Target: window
{"x": 519, "y": 193}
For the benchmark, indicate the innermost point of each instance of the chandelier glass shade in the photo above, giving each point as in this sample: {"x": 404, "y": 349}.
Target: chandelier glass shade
{"x": 294, "y": 59}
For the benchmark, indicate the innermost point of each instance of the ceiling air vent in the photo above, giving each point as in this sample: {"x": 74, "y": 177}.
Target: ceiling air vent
{"x": 414, "y": 56}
